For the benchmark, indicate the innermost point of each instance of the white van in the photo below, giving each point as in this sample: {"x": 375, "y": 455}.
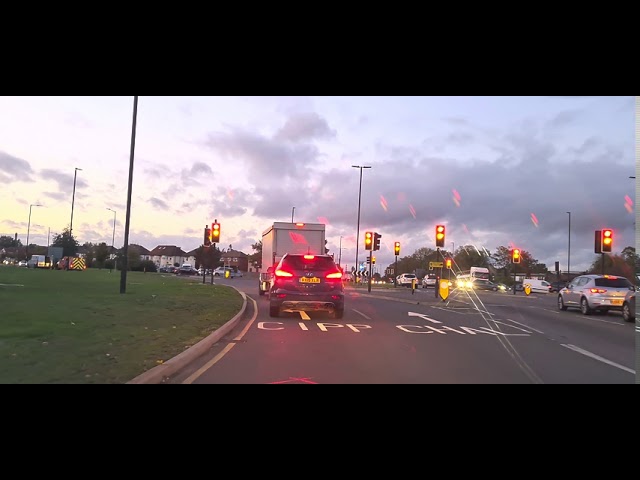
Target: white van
{"x": 537, "y": 286}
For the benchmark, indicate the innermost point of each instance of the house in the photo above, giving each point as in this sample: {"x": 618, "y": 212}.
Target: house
{"x": 191, "y": 257}
{"x": 168, "y": 255}
{"x": 234, "y": 258}
{"x": 143, "y": 252}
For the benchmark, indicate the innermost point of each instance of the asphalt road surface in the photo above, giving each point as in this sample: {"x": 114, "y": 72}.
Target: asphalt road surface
{"x": 394, "y": 336}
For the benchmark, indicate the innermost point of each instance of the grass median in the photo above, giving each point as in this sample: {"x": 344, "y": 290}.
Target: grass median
{"x": 76, "y": 327}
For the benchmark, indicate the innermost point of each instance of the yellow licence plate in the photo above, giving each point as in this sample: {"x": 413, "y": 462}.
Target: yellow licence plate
{"x": 616, "y": 302}
{"x": 309, "y": 280}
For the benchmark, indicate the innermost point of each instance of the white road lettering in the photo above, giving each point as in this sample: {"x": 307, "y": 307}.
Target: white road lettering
{"x": 445, "y": 328}
{"x": 506, "y": 334}
{"x": 261, "y": 326}
{"x": 404, "y": 328}
{"x": 356, "y": 327}
{"x": 304, "y": 315}
{"x": 474, "y": 331}
{"x": 323, "y": 326}
{"x": 423, "y": 316}
{"x": 302, "y": 326}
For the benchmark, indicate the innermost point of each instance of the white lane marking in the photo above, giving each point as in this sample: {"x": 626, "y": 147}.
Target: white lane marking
{"x": 449, "y": 310}
{"x": 423, "y": 316}
{"x": 194, "y": 376}
{"x": 303, "y": 326}
{"x": 525, "y": 326}
{"x": 360, "y": 313}
{"x": 304, "y": 316}
{"x": 597, "y": 357}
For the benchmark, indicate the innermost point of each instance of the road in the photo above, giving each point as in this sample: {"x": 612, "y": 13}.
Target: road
{"x": 394, "y": 336}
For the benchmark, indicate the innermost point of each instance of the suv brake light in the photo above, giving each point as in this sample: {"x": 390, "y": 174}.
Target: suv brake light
{"x": 283, "y": 273}
{"x": 334, "y": 275}
{"x": 597, "y": 290}
{"x": 309, "y": 257}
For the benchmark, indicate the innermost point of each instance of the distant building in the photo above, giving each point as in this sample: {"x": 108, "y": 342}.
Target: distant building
{"x": 167, "y": 255}
{"x": 234, "y": 258}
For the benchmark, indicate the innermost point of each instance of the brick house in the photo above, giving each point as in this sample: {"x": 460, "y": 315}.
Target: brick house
{"x": 167, "y": 255}
{"x": 234, "y": 258}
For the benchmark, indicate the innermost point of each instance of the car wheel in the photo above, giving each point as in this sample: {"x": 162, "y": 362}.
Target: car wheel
{"x": 627, "y": 315}
{"x": 561, "y": 305}
{"x": 274, "y": 311}
{"x": 584, "y": 307}
{"x": 260, "y": 292}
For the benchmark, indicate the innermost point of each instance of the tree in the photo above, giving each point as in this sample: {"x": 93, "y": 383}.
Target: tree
{"x": 101, "y": 253}
{"x": 208, "y": 257}
{"x": 613, "y": 265}
{"x": 67, "y": 241}
{"x": 630, "y": 257}
{"x": 256, "y": 258}
{"x": 7, "y": 241}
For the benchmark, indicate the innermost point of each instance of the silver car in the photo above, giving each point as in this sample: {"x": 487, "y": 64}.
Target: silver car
{"x": 592, "y": 293}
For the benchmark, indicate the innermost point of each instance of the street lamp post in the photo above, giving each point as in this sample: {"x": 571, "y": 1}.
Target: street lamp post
{"x": 292, "y": 210}
{"x": 359, "y": 202}
{"x": 569, "y": 252}
{"x": 125, "y": 246}
{"x": 29, "y": 228}
{"x": 113, "y": 236}
{"x": 73, "y": 198}
{"x": 340, "y": 254}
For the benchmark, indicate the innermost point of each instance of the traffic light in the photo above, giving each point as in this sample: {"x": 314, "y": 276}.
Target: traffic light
{"x": 396, "y": 248}
{"x": 448, "y": 263}
{"x": 373, "y": 261}
{"x": 440, "y": 231}
{"x": 607, "y": 240}
{"x": 597, "y": 247}
{"x": 215, "y": 232}
{"x": 368, "y": 260}
{"x": 515, "y": 255}
{"x": 368, "y": 241}
{"x": 207, "y": 236}
{"x": 376, "y": 241}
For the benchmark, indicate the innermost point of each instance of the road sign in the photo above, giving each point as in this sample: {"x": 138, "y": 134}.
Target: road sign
{"x": 435, "y": 264}
{"x": 527, "y": 288}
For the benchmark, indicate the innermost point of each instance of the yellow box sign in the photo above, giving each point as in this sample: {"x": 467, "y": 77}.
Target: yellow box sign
{"x": 436, "y": 264}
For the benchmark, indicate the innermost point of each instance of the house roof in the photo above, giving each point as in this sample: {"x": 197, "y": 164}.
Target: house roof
{"x": 141, "y": 249}
{"x": 233, "y": 253}
{"x": 168, "y": 250}
{"x": 193, "y": 252}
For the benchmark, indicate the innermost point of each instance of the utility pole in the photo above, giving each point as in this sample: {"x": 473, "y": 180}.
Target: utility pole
{"x": 125, "y": 248}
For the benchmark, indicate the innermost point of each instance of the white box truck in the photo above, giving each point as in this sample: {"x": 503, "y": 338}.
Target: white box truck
{"x": 284, "y": 237}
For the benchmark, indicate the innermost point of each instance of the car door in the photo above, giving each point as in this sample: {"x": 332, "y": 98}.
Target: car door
{"x": 571, "y": 293}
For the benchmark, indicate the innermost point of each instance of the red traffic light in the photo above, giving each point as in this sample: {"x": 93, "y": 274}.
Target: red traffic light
{"x": 440, "y": 232}
{"x": 396, "y": 248}
{"x": 368, "y": 240}
{"x": 215, "y": 232}
{"x": 607, "y": 239}
{"x": 515, "y": 255}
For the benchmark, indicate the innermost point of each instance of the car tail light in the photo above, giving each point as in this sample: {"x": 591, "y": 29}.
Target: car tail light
{"x": 597, "y": 290}
{"x": 283, "y": 273}
{"x": 334, "y": 275}
{"x": 309, "y": 257}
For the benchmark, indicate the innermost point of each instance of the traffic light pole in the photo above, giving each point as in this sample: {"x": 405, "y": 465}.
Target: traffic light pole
{"x": 602, "y": 263}
{"x": 395, "y": 276}
{"x": 437, "y": 286}
{"x": 514, "y": 278}
{"x": 370, "y": 260}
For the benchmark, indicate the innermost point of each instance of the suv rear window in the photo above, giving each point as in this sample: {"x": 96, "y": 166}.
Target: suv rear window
{"x": 298, "y": 262}
{"x": 618, "y": 282}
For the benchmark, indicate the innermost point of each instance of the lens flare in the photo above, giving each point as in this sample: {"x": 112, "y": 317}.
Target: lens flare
{"x": 412, "y": 210}
{"x": 383, "y": 203}
{"x": 534, "y": 219}
{"x": 456, "y": 197}
{"x": 324, "y": 220}
{"x": 628, "y": 204}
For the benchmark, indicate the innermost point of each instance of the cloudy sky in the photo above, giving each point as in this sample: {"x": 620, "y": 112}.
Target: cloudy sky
{"x": 495, "y": 170}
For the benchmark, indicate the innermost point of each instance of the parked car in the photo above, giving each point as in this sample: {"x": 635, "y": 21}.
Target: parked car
{"x": 429, "y": 281}
{"x": 592, "y": 293}
{"x": 629, "y": 306}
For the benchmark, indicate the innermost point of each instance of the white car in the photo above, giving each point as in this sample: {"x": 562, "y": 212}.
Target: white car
{"x": 220, "y": 272}
{"x": 406, "y": 279}
{"x": 23, "y": 263}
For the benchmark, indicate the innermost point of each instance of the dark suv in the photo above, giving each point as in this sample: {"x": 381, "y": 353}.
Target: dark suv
{"x": 307, "y": 283}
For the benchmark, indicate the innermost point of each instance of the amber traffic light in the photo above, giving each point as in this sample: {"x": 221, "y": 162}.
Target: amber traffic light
{"x": 215, "y": 232}
{"x": 607, "y": 239}
{"x": 368, "y": 241}
{"x": 396, "y": 248}
{"x": 440, "y": 231}
{"x": 515, "y": 255}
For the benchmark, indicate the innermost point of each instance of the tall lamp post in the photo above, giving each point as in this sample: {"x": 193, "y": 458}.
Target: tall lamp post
{"x": 569, "y": 252}
{"x": 292, "y": 210}
{"x": 29, "y": 228}
{"x": 340, "y": 254}
{"x": 359, "y": 202}
{"x": 73, "y": 198}
{"x": 113, "y": 236}
{"x": 125, "y": 247}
